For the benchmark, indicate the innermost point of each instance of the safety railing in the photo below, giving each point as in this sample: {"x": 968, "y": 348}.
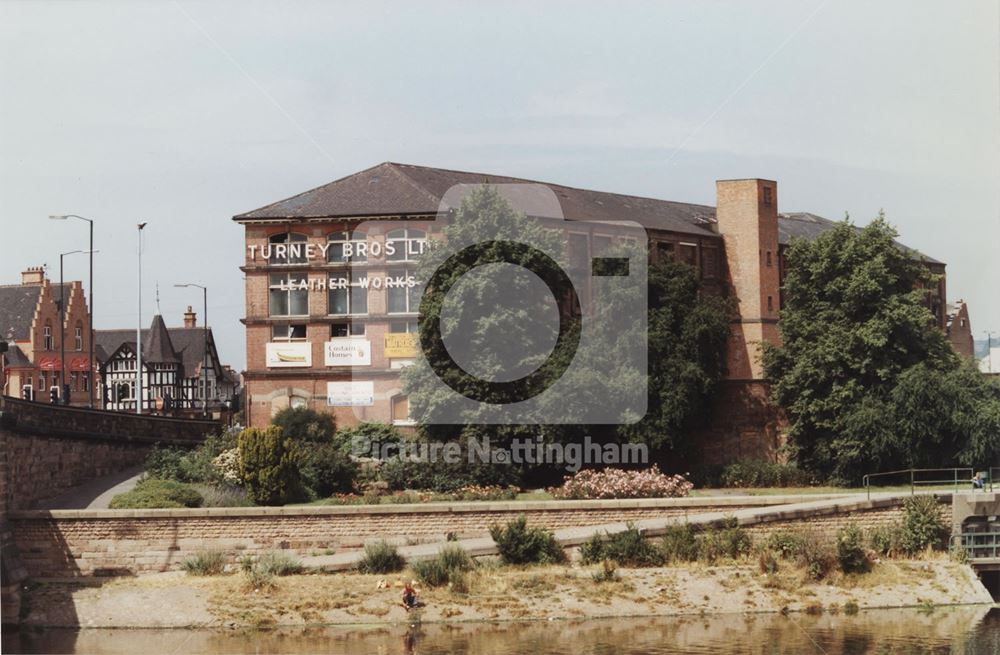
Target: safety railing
{"x": 945, "y": 477}
{"x": 979, "y": 544}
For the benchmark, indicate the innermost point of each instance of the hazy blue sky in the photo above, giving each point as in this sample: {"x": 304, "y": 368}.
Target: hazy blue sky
{"x": 184, "y": 114}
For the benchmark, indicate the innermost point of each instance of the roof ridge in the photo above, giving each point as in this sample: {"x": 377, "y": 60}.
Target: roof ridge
{"x": 394, "y": 167}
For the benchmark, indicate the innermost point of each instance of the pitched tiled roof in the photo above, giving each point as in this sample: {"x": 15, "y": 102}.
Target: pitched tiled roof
{"x": 186, "y": 345}
{"x": 17, "y": 309}
{"x": 803, "y": 225}
{"x": 392, "y": 189}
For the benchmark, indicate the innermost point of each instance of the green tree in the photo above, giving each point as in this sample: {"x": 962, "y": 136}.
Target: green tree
{"x": 868, "y": 380}
{"x": 269, "y": 466}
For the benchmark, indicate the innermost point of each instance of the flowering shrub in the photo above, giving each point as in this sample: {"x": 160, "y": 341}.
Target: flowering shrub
{"x": 619, "y": 483}
{"x": 477, "y": 492}
{"x": 227, "y": 464}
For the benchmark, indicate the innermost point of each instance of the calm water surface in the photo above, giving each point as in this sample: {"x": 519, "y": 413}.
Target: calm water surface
{"x": 971, "y": 631}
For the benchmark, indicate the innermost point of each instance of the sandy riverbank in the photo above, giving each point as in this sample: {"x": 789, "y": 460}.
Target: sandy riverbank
{"x": 175, "y": 599}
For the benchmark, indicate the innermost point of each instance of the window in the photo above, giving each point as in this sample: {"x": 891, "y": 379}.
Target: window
{"x": 577, "y": 256}
{"x": 767, "y": 196}
{"x": 285, "y": 298}
{"x": 346, "y": 247}
{"x": 287, "y": 248}
{"x": 709, "y": 263}
{"x": 664, "y": 251}
{"x": 86, "y": 381}
{"x": 47, "y": 336}
{"x": 769, "y": 259}
{"x": 290, "y": 332}
{"x": 688, "y": 254}
{"x": 404, "y": 293}
{"x": 401, "y": 327}
{"x": 347, "y": 330}
{"x": 405, "y": 245}
{"x": 78, "y": 337}
{"x": 601, "y": 244}
{"x": 770, "y": 304}
{"x": 74, "y": 381}
{"x": 347, "y": 295}
{"x": 401, "y": 410}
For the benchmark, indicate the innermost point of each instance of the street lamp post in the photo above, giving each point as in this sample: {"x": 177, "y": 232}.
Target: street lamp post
{"x": 204, "y": 360}
{"x": 138, "y": 332}
{"x": 92, "y": 375}
{"x": 63, "y": 396}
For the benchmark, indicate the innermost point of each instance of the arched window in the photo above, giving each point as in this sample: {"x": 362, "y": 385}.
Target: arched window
{"x": 287, "y": 248}
{"x": 405, "y": 245}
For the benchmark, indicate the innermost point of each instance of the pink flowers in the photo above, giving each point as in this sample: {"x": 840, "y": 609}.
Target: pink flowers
{"x": 619, "y": 483}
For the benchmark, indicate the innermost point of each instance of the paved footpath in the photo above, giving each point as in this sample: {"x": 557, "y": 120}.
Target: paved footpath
{"x": 568, "y": 537}
{"x": 97, "y": 493}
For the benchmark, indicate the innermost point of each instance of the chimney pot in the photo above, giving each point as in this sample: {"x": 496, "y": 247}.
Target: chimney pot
{"x": 190, "y": 318}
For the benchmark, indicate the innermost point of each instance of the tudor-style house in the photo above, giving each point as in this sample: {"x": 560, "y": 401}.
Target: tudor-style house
{"x": 175, "y": 375}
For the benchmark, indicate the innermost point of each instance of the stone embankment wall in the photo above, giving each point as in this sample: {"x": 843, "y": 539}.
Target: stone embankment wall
{"x": 64, "y": 543}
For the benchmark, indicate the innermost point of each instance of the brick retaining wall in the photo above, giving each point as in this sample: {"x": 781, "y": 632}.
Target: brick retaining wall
{"x": 67, "y": 543}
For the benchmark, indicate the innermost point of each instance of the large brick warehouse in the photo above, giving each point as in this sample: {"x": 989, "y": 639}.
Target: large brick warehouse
{"x": 335, "y": 346}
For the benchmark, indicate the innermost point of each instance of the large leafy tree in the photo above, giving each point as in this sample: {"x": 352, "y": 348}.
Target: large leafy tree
{"x": 869, "y": 382}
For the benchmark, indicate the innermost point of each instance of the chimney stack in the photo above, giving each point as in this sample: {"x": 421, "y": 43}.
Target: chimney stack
{"x": 190, "y": 318}
{"x": 33, "y": 275}
{"x": 747, "y": 218}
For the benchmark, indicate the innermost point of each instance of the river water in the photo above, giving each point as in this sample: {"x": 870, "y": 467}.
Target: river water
{"x": 967, "y": 630}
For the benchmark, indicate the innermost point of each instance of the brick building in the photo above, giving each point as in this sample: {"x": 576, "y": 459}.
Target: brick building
{"x": 959, "y": 329}
{"x": 334, "y": 346}
{"x": 29, "y": 323}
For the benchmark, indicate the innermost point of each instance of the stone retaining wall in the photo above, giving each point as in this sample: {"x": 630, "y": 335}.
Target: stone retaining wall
{"x": 67, "y": 543}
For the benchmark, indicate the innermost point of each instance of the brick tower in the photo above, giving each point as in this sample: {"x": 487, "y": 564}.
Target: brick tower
{"x": 747, "y": 215}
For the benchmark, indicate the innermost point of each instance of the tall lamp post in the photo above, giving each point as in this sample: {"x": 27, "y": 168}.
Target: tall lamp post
{"x": 92, "y": 375}
{"x": 204, "y": 360}
{"x": 63, "y": 396}
{"x": 138, "y": 332}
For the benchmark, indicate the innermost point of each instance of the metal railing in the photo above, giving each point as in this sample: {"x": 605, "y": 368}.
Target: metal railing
{"x": 979, "y": 545}
{"x": 952, "y": 477}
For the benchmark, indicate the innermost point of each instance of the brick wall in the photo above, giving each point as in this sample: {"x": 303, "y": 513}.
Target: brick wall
{"x": 83, "y": 543}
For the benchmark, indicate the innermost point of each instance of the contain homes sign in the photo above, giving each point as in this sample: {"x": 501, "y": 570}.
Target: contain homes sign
{"x": 348, "y": 351}
{"x": 401, "y": 344}
{"x": 296, "y": 354}
{"x": 355, "y": 393}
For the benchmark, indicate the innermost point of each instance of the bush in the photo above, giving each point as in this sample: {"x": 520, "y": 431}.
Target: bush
{"x": 268, "y": 466}
{"x": 196, "y": 465}
{"x": 155, "y": 493}
{"x": 786, "y": 544}
{"x": 278, "y": 564}
{"x": 922, "y": 525}
{"x": 440, "y": 476}
{"x": 886, "y": 539}
{"x": 449, "y": 567}
{"x": 327, "y": 469}
{"x": 817, "y": 555}
{"x": 367, "y": 439}
{"x": 627, "y": 548}
{"x": 164, "y": 463}
{"x": 303, "y": 424}
{"x": 223, "y": 496}
{"x": 607, "y": 573}
{"x": 619, "y": 483}
{"x": 519, "y": 544}
{"x": 680, "y": 543}
{"x": 758, "y": 473}
{"x": 381, "y": 557}
{"x": 729, "y": 541}
{"x": 209, "y": 562}
{"x": 850, "y": 550}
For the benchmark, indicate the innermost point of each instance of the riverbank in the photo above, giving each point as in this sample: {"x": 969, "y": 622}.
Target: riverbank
{"x": 175, "y": 600}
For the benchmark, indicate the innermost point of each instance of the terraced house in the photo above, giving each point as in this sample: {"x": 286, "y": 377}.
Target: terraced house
{"x": 318, "y": 338}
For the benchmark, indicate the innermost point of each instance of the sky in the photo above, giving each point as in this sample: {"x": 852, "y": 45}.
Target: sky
{"x": 183, "y": 114}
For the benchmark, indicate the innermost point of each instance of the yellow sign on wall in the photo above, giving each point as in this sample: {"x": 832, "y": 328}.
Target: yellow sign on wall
{"x": 402, "y": 344}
